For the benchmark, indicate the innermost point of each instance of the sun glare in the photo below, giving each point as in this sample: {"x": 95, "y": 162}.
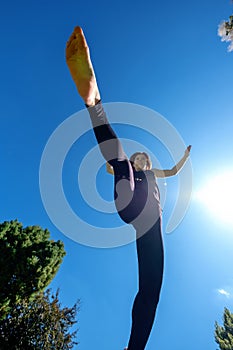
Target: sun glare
{"x": 217, "y": 196}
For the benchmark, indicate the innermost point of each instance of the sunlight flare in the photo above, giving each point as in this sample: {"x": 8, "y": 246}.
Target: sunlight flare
{"x": 217, "y": 196}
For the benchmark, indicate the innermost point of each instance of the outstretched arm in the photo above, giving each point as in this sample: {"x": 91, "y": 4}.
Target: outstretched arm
{"x": 176, "y": 168}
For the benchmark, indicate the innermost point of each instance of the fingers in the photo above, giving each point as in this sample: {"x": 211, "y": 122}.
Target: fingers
{"x": 187, "y": 151}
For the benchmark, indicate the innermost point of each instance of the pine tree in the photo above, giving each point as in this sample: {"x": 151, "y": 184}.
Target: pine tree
{"x": 224, "y": 334}
{"x": 28, "y": 262}
{"x": 39, "y": 324}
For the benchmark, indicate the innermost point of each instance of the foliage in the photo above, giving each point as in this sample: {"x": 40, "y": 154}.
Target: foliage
{"x": 39, "y": 324}
{"x": 225, "y": 30}
{"x": 224, "y": 334}
{"x": 28, "y": 262}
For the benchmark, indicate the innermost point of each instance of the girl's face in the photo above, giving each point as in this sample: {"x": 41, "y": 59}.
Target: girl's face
{"x": 140, "y": 162}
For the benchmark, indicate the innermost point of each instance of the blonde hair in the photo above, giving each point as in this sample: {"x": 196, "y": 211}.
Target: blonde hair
{"x": 148, "y": 160}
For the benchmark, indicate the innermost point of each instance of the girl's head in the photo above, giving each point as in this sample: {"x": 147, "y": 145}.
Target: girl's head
{"x": 141, "y": 161}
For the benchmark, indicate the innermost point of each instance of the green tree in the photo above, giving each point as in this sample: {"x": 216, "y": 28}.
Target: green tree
{"x": 224, "y": 334}
{"x": 39, "y": 324}
{"x": 28, "y": 262}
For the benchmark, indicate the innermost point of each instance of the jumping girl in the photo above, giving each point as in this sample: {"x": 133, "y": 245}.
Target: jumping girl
{"x": 136, "y": 193}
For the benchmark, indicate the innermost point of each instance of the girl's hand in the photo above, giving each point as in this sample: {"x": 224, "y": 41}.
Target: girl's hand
{"x": 187, "y": 151}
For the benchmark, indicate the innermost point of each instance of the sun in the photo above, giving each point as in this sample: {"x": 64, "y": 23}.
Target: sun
{"x": 217, "y": 196}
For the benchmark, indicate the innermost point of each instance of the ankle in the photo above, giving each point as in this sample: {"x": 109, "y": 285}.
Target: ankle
{"x": 90, "y": 102}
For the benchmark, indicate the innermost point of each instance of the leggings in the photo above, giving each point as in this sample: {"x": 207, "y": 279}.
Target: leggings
{"x": 150, "y": 252}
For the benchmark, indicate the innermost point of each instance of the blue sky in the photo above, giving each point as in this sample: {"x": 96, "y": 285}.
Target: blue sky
{"x": 165, "y": 56}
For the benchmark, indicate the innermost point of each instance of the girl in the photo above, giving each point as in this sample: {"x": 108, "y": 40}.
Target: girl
{"x": 136, "y": 193}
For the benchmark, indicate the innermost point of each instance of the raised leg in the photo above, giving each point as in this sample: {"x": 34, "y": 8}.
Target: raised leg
{"x": 79, "y": 62}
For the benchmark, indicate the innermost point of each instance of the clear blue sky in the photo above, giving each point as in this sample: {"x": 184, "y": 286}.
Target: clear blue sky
{"x": 162, "y": 55}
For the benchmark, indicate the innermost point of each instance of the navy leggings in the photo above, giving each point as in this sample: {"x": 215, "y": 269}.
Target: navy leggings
{"x": 149, "y": 244}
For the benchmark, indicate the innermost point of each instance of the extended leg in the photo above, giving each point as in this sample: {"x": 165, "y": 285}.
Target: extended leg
{"x": 81, "y": 69}
{"x": 109, "y": 143}
{"x": 111, "y": 149}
